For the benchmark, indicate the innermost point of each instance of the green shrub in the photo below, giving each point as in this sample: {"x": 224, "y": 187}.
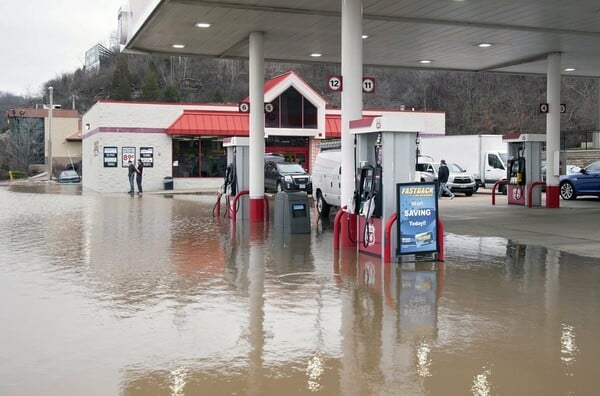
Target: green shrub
{"x": 18, "y": 175}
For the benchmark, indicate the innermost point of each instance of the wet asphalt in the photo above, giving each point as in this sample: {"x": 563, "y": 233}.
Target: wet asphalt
{"x": 574, "y": 227}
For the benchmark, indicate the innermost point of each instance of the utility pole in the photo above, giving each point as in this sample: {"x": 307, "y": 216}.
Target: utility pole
{"x": 49, "y": 168}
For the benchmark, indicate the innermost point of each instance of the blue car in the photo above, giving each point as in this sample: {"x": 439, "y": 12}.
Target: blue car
{"x": 586, "y": 182}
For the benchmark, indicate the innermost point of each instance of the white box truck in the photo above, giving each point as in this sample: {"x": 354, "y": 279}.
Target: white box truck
{"x": 484, "y": 156}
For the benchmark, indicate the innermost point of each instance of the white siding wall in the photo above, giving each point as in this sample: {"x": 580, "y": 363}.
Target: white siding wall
{"x": 114, "y": 180}
{"x": 195, "y": 183}
{"x": 115, "y": 115}
{"x": 139, "y": 115}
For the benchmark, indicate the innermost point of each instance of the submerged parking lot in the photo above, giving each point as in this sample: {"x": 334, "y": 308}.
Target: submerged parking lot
{"x": 152, "y": 295}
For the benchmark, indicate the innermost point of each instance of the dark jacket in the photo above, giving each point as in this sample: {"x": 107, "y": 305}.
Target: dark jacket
{"x": 131, "y": 170}
{"x": 443, "y": 173}
{"x": 140, "y": 168}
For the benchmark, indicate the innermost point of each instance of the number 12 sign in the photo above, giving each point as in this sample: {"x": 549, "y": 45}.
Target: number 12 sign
{"x": 335, "y": 83}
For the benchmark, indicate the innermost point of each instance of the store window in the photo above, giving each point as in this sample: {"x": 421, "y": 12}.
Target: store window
{"x": 213, "y": 158}
{"x": 291, "y": 110}
{"x": 195, "y": 156}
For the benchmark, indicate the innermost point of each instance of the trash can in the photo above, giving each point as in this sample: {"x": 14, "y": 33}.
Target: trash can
{"x": 168, "y": 183}
{"x": 291, "y": 213}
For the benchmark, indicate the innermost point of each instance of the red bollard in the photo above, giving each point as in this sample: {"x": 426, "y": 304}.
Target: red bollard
{"x": 530, "y": 192}
{"x": 337, "y": 225}
{"x": 440, "y": 238}
{"x": 498, "y": 183}
{"x": 387, "y": 250}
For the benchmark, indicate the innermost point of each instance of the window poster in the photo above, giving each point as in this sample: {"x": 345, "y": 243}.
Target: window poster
{"x": 417, "y": 218}
{"x": 147, "y": 156}
{"x": 110, "y": 157}
{"x": 127, "y": 154}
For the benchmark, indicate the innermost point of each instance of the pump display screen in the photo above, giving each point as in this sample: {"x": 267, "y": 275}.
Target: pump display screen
{"x": 299, "y": 210}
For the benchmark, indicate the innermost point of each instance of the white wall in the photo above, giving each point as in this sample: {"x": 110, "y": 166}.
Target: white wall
{"x": 97, "y": 178}
{"x": 130, "y": 124}
{"x": 139, "y": 115}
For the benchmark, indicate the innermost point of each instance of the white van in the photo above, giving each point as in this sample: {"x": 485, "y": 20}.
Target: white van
{"x": 327, "y": 180}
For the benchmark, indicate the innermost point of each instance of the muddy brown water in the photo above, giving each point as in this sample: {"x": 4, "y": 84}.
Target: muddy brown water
{"x": 151, "y": 295}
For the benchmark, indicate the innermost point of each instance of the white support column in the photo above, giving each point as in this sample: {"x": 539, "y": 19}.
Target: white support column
{"x": 257, "y": 125}
{"x": 596, "y": 136}
{"x": 50, "y": 110}
{"x": 352, "y": 106}
{"x": 553, "y": 130}
{"x": 352, "y": 103}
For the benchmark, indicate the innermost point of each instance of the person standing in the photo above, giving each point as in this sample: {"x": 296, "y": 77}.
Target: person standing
{"x": 131, "y": 174}
{"x": 443, "y": 174}
{"x": 139, "y": 169}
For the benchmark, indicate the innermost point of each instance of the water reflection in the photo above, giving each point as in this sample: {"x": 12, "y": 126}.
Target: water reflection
{"x": 152, "y": 295}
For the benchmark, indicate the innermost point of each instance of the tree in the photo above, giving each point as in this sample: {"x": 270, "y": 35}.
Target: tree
{"x": 121, "y": 85}
{"x": 23, "y": 145}
{"x": 150, "y": 91}
{"x": 170, "y": 94}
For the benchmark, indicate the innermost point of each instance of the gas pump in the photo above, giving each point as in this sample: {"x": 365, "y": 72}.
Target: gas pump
{"x": 236, "y": 175}
{"x": 385, "y": 156}
{"x": 524, "y": 167}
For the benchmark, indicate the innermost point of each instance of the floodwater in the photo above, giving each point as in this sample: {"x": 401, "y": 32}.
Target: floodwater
{"x": 151, "y": 295}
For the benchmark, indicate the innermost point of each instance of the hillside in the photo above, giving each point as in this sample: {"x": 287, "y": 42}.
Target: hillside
{"x": 473, "y": 102}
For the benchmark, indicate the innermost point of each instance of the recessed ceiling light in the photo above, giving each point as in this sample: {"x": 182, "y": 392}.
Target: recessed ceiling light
{"x": 202, "y": 25}
{"x": 484, "y": 45}
{"x": 316, "y": 54}
{"x": 364, "y": 36}
{"x": 178, "y": 46}
{"x": 569, "y": 69}
{"x": 425, "y": 61}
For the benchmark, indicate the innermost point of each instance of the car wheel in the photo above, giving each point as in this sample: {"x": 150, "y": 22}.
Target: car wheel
{"x": 468, "y": 194}
{"x": 567, "y": 191}
{"x": 279, "y": 187}
{"x": 322, "y": 206}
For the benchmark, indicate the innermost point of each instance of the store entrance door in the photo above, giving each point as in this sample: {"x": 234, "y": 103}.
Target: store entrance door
{"x": 294, "y": 149}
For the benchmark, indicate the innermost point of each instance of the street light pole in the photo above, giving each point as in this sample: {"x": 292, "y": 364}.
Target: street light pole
{"x": 49, "y": 168}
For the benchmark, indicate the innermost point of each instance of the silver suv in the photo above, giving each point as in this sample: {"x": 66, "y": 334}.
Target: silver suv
{"x": 459, "y": 180}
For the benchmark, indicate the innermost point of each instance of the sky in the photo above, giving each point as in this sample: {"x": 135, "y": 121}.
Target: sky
{"x": 42, "y": 39}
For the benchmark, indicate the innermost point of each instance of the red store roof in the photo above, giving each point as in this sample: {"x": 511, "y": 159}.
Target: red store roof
{"x": 219, "y": 123}
{"x": 229, "y": 123}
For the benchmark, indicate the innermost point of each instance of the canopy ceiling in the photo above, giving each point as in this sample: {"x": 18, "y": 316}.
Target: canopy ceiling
{"x": 400, "y": 32}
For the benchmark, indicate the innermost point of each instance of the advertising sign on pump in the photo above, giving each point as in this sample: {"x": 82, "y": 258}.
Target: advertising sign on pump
{"x": 417, "y": 218}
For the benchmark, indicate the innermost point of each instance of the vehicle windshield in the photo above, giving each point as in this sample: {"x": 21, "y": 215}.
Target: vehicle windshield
{"x": 455, "y": 168}
{"x": 290, "y": 168}
{"x": 503, "y": 157}
{"x": 593, "y": 167}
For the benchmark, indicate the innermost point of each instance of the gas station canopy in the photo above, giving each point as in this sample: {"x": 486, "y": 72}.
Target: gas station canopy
{"x": 468, "y": 35}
